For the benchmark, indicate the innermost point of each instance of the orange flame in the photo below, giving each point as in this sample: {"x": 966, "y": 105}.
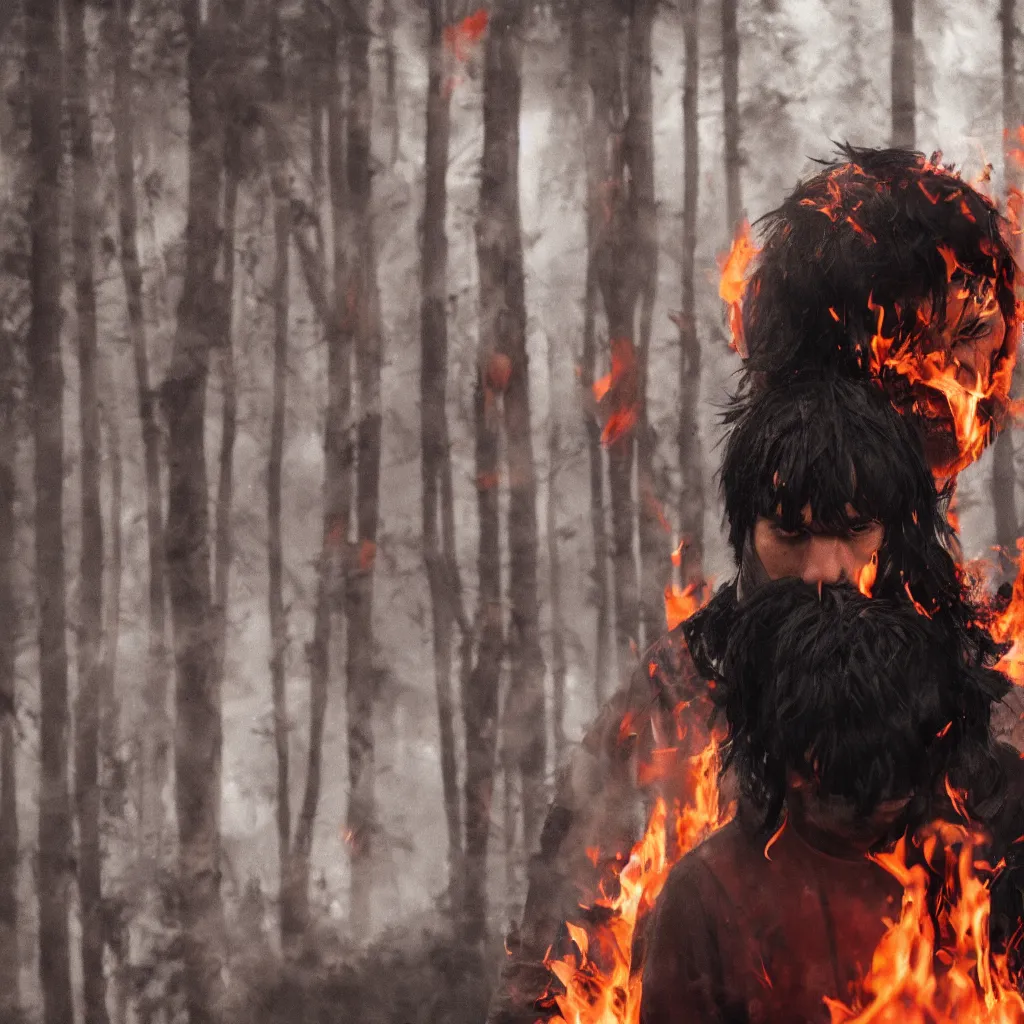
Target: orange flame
{"x": 617, "y": 390}
{"x": 1008, "y": 626}
{"x": 974, "y": 985}
{"x": 600, "y": 985}
{"x": 937, "y": 371}
{"x": 682, "y": 602}
{"x": 868, "y": 575}
{"x": 733, "y": 283}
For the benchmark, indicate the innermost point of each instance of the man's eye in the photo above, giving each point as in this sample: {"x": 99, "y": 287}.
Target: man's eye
{"x": 791, "y": 535}
{"x": 859, "y": 529}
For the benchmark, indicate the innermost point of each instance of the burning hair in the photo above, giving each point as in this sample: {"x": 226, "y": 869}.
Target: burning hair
{"x": 876, "y": 233}
{"x": 868, "y": 229}
{"x": 865, "y": 698}
{"x": 834, "y": 443}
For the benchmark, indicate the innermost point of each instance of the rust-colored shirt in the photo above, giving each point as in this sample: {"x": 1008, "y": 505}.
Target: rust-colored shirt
{"x": 741, "y": 938}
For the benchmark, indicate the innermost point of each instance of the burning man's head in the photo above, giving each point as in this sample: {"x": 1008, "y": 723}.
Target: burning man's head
{"x": 853, "y": 709}
{"x": 820, "y": 477}
{"x": 888, "y": 264}
{"x": 824, "y": 482}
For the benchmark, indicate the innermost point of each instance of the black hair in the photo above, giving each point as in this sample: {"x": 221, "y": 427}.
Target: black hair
{"x": 831, "y": 442}
{"x": 865, "y": 696}
{"x": 875, "y": 229}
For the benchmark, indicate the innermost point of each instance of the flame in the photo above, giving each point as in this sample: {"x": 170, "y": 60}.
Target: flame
{"x": 617, "y": 390}
{"x": 1008, "y": 625}
{"x": 733, "y": 283}
{"x": 682, "y": 602}
{"x": 600, "y": 985}
{"x": 938, "y": 372}
{"x": 868, "y": 575}
{"x": 973, "y": 986}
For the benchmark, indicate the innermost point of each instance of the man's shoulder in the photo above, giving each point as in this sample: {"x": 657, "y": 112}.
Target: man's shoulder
{"x": 719, "y": 856}
{"x": 667, "y": 673}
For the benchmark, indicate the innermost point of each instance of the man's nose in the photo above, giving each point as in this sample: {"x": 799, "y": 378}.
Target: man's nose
{"x": 826, "y": 561}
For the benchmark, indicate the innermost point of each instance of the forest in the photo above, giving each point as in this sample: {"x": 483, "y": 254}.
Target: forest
{"x": 362, "y": 365}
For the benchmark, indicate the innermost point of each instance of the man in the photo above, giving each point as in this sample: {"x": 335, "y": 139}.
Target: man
{"x": 813, "y": 300}
{"x": 821, "y": 479}
{"x": 889, "y": 265}
{"x": 848, "y": 717}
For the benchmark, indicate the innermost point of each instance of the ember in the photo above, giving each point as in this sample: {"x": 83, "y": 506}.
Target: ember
{"x": 460, "y": 37}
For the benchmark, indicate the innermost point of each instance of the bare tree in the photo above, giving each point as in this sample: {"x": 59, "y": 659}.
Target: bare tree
{"x": 198, "y": 728}
{"x": 277, "y": 169}
{"x": 480, "y": 700}
{"x": 437, "y": 499}
{"x": 654, "y": 530}
{"x": 90, "y": 630}
{"x": 1004, "y": 476}
{"x": 559, "y": 668}
{"x": 156, "y": 736}
{"x": 731, "y": 114}
{"x": 332, "y": 307}
{"x": 904, "y": 103}
{"x": 691, "y": 469}
{"x": 46, "y": 398}
{"x": 580, "y": 63}
{"x": 388, "y": 21}
{"x": 10, "y": 961}
{"x": 503, "y": 337}
{"x": 363, "y": 315}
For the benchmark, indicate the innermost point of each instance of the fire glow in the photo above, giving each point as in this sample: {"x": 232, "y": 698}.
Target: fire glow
{"x": 733, "y": 283}
{"x": 972, "y": 986}
{"x": 1008, "y": 625}
{"x": 600, "y": 985}
{"x": 616, "y": 390}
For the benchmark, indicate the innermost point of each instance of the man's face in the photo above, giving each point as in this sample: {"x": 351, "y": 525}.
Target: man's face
{"x": 816, "y": 555}
{"x": 970, "y": 340}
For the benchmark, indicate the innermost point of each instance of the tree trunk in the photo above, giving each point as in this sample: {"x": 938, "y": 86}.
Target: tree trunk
{"x": 337, "y": 476}
{"x": 90, "y": 629}
{"x": 391, "y": 120}
{"x": 10, "y": 1000}
{"x": 229, "y": 399}
{"x": 1004, "y": 475}
{"x": 503, "y": 341}
{"x": 363, "y": 313}
{"x": 198, "y": 732}
{"x": 480, "y": 698}
{"x": 435, "y": 442}
{"x": 904, "y": 103}
{"x": 10, "y": 955}
{"x": 691, "y": 467}
{"x": 619, "y": 277}
{"x": 110, "y": 710}
{"x": 588, "y": 360}
{"x": 156, "y": 736}
{"x": 46, "y": 399}
{"x": 731, "y": 114}
{"x": 558, "y": 661}
{"x": 277, "y": 169}
{"x": 654, "y": 530}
